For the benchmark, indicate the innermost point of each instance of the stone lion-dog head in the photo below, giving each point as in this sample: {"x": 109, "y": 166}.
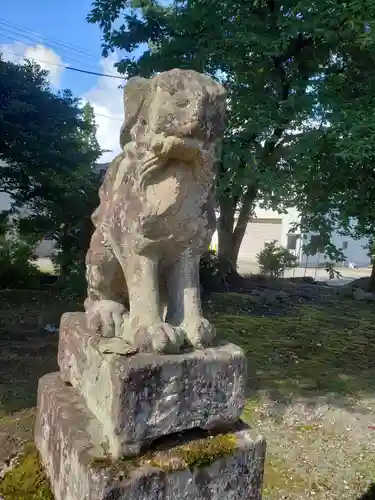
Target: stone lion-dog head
{"x": 172, "y": 121}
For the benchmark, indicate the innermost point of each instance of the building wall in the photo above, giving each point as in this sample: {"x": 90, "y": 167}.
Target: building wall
{"x": 354, "y": 252}
{"x": 287, "y": 220}
{"x": 5, "y": 201}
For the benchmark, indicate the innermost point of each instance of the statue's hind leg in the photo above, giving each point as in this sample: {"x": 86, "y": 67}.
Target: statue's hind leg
{"x": 106, "y": 288}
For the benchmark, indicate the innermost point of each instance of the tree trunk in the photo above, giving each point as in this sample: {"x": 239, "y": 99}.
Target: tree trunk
{"x": 230, "y": 237}
{"x": 225, "y": 228}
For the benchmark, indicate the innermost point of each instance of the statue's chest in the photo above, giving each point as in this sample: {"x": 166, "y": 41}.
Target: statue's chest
{"x": 172, "y": 207}
{"x": 175, "y": 196}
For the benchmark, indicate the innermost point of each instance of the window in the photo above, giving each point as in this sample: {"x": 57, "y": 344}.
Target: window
{"x": 291, "y": 243}
{"x": 344, "y": 245}
{"x": 317, "y": 243}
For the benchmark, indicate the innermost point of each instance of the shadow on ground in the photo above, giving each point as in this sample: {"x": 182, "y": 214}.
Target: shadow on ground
{"x": 310, "y": 351}
{"x": 313, "y": 351}
{"x": 27, "y": 352}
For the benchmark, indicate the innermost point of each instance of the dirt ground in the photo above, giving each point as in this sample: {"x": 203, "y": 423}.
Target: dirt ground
{"x": 27, "y": 352}
{"x": 311, "y": 382}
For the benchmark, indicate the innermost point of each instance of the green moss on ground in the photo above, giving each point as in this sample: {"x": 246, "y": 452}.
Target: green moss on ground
{"x": 308, "y": 350}
{"x": 311, "y": 349}
{"x": 27, "y": 480}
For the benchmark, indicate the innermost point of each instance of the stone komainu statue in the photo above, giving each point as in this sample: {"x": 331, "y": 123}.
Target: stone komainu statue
{"x": 156, "y": 215}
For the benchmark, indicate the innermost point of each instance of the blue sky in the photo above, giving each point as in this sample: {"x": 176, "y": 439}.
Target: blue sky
{"x": 66, "y": 24}
{"x": 38, "y": 30}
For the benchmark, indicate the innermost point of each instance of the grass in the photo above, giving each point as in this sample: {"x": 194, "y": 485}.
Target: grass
{"x": 322, "y": 356}
{"x": 313, "y": 349}
{"x": 318, "y": 354}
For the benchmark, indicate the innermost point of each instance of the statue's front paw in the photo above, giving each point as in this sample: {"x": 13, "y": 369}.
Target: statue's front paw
{"x": 199, "y": 332}
{"x": 158, "y": 337}
{"x": 106, "y": 317}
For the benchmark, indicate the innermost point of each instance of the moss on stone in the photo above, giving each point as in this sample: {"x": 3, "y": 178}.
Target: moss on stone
{"x": 204, "y": 452}
{"x": 196, "y": 454}
{"x": 27, "y": 480}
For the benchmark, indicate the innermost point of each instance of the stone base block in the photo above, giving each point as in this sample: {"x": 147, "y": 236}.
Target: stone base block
{"x": 142, "y": 397}
{"x": 222, "y": 467}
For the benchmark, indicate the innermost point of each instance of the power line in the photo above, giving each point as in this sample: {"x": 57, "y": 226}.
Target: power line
{"x": 69, "y": 46}
{"x": 57, "y": 42}
{"x": 19, "y": 40}
{"x": 93, "y": 72}
{"x": 70, "y": 67}
{"x": 106, "y": 116}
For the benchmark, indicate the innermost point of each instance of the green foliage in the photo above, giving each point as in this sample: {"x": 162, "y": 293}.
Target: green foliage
{"x": 293, "y": 66}
{"x": 73, "y": 282}
{"x": 66, "y": 215}
{"x": 17, "y": 258}
{"x": 41, "y": 134}
{"x": 17, "y": 269}
{"x": 273, "y": 260}
{"x": 49, "y": 146}
{"x": 216, "y": 273}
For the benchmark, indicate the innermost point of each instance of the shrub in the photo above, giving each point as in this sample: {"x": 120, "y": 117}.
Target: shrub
{"x": 216, "y": 273}
{"x": 17, "y": 264}
{"x": 273, "y": 260}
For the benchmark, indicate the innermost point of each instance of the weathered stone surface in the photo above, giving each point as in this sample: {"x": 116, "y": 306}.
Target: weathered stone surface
{"x": 143, "y": 397}
{"x": 156, "y": 215}
{"x": 68, "y": 438}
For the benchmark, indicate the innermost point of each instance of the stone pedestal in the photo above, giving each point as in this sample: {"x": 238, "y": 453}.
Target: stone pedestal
{"x": 146, "y": 426}
{"x": 140, "y": 398}
{"x": 219, "y": 467}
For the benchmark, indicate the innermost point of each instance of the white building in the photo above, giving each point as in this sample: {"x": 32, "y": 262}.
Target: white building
{"x": 268, "y": 225}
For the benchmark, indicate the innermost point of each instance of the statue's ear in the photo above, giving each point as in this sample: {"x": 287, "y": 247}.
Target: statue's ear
{"x": 135, "y": 92}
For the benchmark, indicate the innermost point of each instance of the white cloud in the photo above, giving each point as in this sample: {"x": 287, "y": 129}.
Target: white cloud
{"x": 104, "y": 96}
{"x": 45, "y": 57}
{"x": 106, "y": 99}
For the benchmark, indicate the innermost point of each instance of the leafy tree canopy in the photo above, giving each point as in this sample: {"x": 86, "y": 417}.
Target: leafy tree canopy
{"x": 48, "y": 148}
{"x": 42, "y": 134}
{"x": 292, "y": 68}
